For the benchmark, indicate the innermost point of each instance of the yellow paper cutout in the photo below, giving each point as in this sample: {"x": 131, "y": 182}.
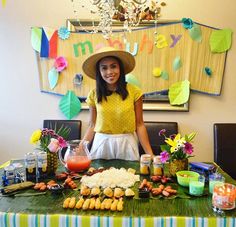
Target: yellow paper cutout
{"x": 161, "y": 41}
{"x": 156, "y": 71}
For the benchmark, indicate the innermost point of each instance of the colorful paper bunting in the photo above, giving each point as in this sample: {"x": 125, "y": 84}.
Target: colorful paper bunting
{"x": 195, "y": 33}
{"x": 49, "y": 43}
{"x": 70, "y": 105}
{"x": 220, "y": 40}
{"x": 36, "y": 37}
{"x": 53, "y": 77}
{"x": 177, "y": 63}
{"x": 130, "y": 78}
{"x": 179, "y": 92}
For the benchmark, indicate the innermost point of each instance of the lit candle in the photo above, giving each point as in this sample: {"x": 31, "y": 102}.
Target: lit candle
{"x": 224, "y": 196}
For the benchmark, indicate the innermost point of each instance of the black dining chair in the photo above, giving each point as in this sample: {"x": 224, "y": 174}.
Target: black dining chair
{"x": 74, "y": 125}
{"x": 225, "y": 147}
{"x": 153, "y": 128}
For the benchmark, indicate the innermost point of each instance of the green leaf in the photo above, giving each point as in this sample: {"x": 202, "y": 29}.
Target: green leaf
{"x": 177, "y": 63}
{"x": 165, "y": 147}
{"x": 179, "y": 92}
{"x": 195, "y": 33}
{"x": 220, "y": 40}
{"x": 70, "y": 105}
{"x": 191, "y": 136}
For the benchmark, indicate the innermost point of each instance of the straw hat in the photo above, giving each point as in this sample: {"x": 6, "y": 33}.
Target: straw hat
{"x": 89, "y": 65}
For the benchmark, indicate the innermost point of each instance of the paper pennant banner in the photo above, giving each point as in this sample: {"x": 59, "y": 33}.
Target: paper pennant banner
{"x": 177, "y": 63}
{"x": 70, "y": 105}
{"x": 130, "y": 78}
{"x": 220, "y": 40}
{"x": 49, "y": 46}
{"x": 53, "y": 77}
{"x": 195, "y": 33}
{"x": 179, "y": 92}
{"x": 36, "y": 37}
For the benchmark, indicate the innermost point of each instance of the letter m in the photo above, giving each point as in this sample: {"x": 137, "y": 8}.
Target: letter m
{"x": 82, "y": 47}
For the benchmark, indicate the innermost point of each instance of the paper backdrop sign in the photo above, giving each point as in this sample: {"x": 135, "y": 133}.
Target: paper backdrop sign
{"x": 179, "y": 93}
{"x": 184, "y": 58}
{"x": 70, "y": 105}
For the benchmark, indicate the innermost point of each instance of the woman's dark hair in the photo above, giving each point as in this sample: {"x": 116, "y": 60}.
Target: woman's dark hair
{"x": 101, "y": 88}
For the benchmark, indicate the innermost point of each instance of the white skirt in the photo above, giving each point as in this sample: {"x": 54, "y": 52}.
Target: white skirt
{"x": 115, "y": 146}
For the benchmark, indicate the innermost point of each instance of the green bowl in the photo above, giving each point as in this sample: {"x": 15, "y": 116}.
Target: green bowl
{"x": 183, "y": 177}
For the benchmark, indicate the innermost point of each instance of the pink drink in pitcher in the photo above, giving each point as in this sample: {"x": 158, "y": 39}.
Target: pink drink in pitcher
{"x": 78, "y": 163}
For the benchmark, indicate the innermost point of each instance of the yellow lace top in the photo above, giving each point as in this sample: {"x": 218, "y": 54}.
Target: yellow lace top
{"x": 115, "y": 116}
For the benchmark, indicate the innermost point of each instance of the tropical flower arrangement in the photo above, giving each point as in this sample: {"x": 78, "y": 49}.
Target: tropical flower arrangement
{"x": 176, "y": 147}
{"x": 50, "y": 140}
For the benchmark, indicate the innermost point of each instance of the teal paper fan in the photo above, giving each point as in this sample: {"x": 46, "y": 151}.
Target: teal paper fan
{"x": 70, "y": 105}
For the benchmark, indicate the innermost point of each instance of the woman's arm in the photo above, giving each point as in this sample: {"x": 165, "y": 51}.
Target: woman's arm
{"x": 89, "y": 134}
{"x": 140, "y": 127}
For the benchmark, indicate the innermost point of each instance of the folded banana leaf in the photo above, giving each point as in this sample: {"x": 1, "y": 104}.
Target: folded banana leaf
{"x": 16, "y": 187}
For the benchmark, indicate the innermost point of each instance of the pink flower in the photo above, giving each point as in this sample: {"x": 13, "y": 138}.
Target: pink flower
{"x": 188, "y": 148}
{"x": 60, "y": 63}
{"x": 162, "y": 132}
{"x": 54, "y": 145}
{"x": 62, "y": 142}
{"x": 164, "y": 156}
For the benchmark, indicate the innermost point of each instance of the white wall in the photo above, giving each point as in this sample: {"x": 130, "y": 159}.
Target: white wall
{"x": 23, "y": 107}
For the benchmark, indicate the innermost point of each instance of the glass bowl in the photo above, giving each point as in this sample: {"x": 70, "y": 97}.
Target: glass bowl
{"x": 183, "y": 177}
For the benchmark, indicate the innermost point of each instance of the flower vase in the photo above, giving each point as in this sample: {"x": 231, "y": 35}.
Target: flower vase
{"x": 177, "y": 165}
{"x": 52, "y": 163}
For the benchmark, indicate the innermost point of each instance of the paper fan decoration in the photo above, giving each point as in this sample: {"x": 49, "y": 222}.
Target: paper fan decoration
{"x": 70, "y": 105}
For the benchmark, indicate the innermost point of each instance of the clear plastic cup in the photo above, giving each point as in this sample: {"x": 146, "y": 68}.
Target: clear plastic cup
{"x": 196, "y": 186}
{"x": 215, "y": 179}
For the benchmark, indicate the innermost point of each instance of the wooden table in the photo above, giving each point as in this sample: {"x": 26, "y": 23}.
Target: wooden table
{"x": 46, "y": 210}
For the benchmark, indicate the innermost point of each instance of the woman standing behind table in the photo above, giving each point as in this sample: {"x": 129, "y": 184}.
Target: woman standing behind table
{"x": 115, "y": 107}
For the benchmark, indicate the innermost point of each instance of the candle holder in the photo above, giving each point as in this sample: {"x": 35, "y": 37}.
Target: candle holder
{"x": 223, "y": 197}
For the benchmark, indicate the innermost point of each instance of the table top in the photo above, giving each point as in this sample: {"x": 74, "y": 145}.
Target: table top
{"x": 162, "y": 209}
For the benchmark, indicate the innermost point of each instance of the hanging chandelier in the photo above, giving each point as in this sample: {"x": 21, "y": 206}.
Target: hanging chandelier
{"x": 104, "y": 13}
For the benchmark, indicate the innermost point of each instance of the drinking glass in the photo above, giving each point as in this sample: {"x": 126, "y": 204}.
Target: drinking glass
{"x": 196, "y": 186}
{"x": 215, "y": 179}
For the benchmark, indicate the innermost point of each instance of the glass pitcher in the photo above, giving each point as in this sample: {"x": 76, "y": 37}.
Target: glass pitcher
{"x": 77, "y": 157}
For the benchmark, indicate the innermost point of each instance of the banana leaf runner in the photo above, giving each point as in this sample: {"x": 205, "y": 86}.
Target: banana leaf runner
{"x": 182, "y": 204}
